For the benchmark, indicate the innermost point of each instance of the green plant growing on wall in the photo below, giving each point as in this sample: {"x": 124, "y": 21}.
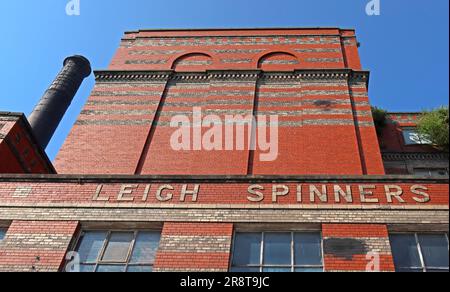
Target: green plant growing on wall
{"x": 379, "y": 117}
{"x": 435, "y": 126}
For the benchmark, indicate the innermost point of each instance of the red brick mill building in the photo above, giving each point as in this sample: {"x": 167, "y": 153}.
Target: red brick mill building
{"x": 338, "y": 197}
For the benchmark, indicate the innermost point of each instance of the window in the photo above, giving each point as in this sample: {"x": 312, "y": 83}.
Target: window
{"x": 118, "y": 251}
{"x": 420, "y": 252}
{"x": 433, "y": 172}
{"x": 2, "y": 234}
{"x": 412, "y": 137}
{"x": 277, "y": 252}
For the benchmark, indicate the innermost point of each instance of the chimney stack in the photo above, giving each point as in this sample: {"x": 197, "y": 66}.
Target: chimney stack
{"x": 50, "y": 110}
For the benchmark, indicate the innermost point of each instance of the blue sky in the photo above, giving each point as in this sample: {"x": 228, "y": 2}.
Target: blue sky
{"x": 406, "y": 48}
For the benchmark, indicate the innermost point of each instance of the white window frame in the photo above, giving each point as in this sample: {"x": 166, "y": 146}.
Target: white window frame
{"x": 261, "y": 266}
{"x": 423, "y": 267}
{"x": 126, "y": 264}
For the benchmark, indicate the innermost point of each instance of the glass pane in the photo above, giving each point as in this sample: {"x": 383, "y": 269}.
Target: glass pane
{"x": 309, "y": 270}
{"x": 277, "y": 270}
{"x": 434, "y": 250}
{"x": 145, "y": 247}
{"x": 406, "y": 270}
{"x": 425, "y": 140}
{"x": 308, "y": 249}
{"x": 2, "y": 234}
{"x": 140, "y": 269}
{"x": 412, "y": 137}
{"x": 439, "y": 172}
{"x": 110, "y": 269}
{"x": 277, "y": 249}
{"x": 118, "y": 247}
{"x": 247, "y": 249}
{"x": 245, "y": 270}
{"x": 433, "y": 172}
{"x": 91, "y": 244}
{"x": 404, "y": 250}
{"x": 87, "y": 268}
{"x": 422, "y": 172}
{"x": 437, "y": 271}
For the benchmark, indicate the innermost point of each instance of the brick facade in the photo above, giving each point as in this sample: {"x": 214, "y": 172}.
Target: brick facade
{"x": 311, "y": 79}
{"x": 194, "y": 247}
{"x": 400, "y": 158}
{"x": 117, "y": 171}
{"x": 348, "y": 247}
{"x": 197, "y": 231}
{"x": 36, "y": 246}
{"x": 19, "y": 151}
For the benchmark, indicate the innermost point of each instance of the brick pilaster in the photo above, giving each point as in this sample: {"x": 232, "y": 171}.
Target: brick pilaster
{"x": 199, "y": 247}
{"x": 355, "y": 247}
{"x": 36, "y": 246}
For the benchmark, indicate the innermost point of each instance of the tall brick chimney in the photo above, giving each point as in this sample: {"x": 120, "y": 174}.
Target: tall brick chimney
{"x": 50, "y": 110}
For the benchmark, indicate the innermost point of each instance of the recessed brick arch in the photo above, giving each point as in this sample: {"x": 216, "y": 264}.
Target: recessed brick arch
{"x": 195, "y": 61}
{"x": 275, "y": 61}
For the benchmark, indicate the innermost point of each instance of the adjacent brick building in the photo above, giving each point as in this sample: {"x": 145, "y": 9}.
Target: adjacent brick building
{"x": 339, "y": 196}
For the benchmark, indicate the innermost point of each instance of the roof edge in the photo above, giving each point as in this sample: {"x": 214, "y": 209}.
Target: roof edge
{"x": 404, "y": 113}
{"x": 29, "y": 131}
{"x": 232, "y": 29}
{"x": 216, "y": 179}
{"x": 12, "y": 114}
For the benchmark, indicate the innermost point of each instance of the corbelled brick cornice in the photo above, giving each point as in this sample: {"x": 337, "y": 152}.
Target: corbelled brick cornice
{"x": 394, "y": 156}
{"x": 165, "y": 75}
{"x": 220, "y": 179}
